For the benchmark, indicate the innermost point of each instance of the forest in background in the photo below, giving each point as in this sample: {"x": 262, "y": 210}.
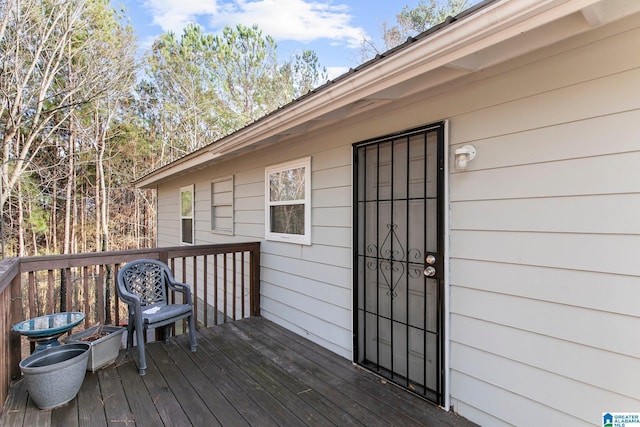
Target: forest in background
{"x": 83, "y": 114}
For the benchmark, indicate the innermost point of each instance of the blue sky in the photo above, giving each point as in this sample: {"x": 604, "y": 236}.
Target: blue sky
{"x": 332, "y": 28}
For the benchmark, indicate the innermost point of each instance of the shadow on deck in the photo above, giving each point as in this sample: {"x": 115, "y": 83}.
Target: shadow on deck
{"x": 247, "y": 373}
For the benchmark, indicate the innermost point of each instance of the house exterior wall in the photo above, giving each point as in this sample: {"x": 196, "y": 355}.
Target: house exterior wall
{"x": 544, "y": 237}
{"x": 543, "y": 231}
{"x": 305, "y": 288}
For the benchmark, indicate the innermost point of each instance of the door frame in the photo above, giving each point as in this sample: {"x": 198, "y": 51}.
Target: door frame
{"x": 446, "y": 205}
{"x": 444, "y": 240}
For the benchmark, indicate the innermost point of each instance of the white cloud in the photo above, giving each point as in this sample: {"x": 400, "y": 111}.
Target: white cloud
{"x": 333, "y": 72}
{"x": 295, "y": 20}
{"x": 146, "y": 42}
{"x": 172, "y": 15}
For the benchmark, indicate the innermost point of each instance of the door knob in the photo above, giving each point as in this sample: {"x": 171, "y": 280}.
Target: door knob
{"x": 430, "y": 271}
{"x": 430, "y": 259}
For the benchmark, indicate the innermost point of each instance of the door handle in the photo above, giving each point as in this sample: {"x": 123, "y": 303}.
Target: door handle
{"x": 430, "y": 271}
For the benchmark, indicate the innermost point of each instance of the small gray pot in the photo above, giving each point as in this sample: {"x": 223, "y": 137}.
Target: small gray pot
{"x": 54, "y": 376}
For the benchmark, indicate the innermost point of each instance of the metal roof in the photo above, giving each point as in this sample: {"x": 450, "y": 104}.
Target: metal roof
{"x": 351, "y": 73}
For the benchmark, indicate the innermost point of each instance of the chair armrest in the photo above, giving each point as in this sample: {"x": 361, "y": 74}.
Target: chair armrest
{"x": 183, "y": 288}
{"x": 128, "y": 297}
{"x": 132, "y": 300}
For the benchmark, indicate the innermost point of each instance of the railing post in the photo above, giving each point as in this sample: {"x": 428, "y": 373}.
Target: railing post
{"x": 17, "y": 315}
{"x": 255, "y": 280}
{"x": 164, "y": 257}
{"x": 108, "y": 295}
{"x": 195, "y": 292}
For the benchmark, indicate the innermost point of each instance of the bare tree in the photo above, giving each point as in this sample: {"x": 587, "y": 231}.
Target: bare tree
{"x": 34, "y": 97}
{"x": 60, "y": 60}
{"x": 410, "y": 22}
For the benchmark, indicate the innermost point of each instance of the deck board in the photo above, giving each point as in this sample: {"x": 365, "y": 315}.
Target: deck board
{"x": 184, "y": 393}
{"x": 335, "y": 404}
{"x": 238, "y": 375}
{"x": 15, "y": 406}
{"x": 351, "y": 412}
{"x": 343, "y": 377}
{"x": 116, "y": 407}
{"x": 91, "y": 403}
{"x": 67, "y": 416}
{"x": 140, "y": 403}
{"x": 161, "y": 394}
{"x": 35, "y": 417}
{"x": 246, "y": 410}
{"x": 393, "y": 405}
{"x": 245, "y": 373}
{"x": 285, "y": 389}
{"x": 219, "y": 407}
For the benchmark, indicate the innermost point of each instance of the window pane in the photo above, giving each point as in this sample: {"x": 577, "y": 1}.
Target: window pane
{"x": 286, "y": 185}
{"x": 222, "y": 206}
{"x": 187, "y": 203}
{"x": 287, "y": 219}
{"x": 187, "y": 231}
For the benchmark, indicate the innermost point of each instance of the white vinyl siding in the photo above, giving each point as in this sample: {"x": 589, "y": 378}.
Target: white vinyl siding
{"x": 222, "y": 206}
{"x": 168, "y": 224}
{"x": 308, "y": 288}
{"x": 544, "y": 244}
{"x": 294, "y": 277}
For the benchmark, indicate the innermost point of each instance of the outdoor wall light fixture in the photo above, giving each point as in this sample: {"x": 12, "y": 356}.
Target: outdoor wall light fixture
{"x": 463, "y": 156}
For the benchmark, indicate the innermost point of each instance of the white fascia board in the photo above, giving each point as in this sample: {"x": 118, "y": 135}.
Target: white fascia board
{"x": 174, "y": 168}
{"x": 497, "y": 22}
{"x": 489, "y": 26}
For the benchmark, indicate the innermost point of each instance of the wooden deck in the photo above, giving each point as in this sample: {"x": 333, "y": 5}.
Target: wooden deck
{"x": 247, "y": 373}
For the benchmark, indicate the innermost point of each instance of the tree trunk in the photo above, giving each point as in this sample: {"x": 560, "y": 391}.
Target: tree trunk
{"x": 83, "y": 225}
{"x": 73, "y": 248}
{"x": 69, "y": 193}
{"x": 34, "y": 240}
{"x": 53, "y": 232}
{"x": 21, "y": 249}
{"x": 101, "y": 184}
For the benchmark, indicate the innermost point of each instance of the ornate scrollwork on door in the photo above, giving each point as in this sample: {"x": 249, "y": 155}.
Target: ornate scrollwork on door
{"x": 393, "y": 261}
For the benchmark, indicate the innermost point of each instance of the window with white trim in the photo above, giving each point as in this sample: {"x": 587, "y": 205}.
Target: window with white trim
{"x": 222, "y": 205}
{"x": 186, "y": 214}
{"x": 288, "y": 202}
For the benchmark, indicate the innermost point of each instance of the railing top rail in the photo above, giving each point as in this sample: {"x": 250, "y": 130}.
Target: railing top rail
{"x": 14, "y": 286}
{"x": 9, "y": 268}
{"x": 187, "y": 251}
{"x": 54, "y": 262}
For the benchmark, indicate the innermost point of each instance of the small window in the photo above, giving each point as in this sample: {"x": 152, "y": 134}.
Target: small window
{"x": 222, "y": 206}
{"x": 186, "y": 214}
{"x": 288, "y": 202}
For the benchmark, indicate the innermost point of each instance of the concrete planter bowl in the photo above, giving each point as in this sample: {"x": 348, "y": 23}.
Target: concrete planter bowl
{"x": 54, "y": 376}
{"x": 105, "y": 344}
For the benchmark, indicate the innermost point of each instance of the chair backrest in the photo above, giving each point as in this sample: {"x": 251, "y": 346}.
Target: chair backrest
{"x": 145, "y": 278}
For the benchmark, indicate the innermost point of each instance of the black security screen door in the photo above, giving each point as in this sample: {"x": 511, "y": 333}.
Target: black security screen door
{"x": 398, "y": 258}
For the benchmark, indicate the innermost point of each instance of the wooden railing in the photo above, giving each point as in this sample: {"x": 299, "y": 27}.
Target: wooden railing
{"x": 224, "y": 279}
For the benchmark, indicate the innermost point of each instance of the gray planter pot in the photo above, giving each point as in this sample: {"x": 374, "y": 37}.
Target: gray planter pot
{"x": 54, "y": 376}
{"x": 104, "y": 351}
